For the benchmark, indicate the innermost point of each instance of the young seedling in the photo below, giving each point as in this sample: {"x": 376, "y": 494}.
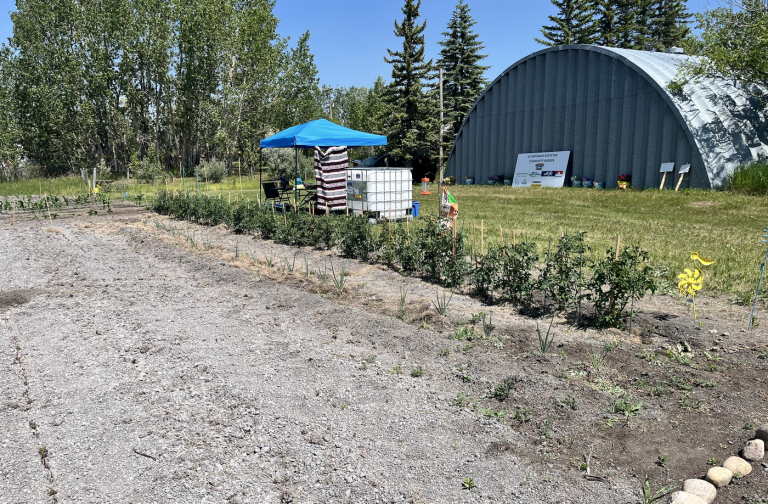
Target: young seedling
{"x": 488, "y": 326}
{"x": 468, "y": 484}
{"x": 401, "y": 310}
{"x": 649, "y": 497}
{"x": 417, "y": 372}
{"x": 662, "y": 460}
{"x": 441, "y": 304}
{"x": 546, "y": 342}
{"x": 340, "y": 280}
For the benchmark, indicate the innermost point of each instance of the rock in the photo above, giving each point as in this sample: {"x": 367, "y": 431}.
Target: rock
{"x": 737, "y": 465}
{"x": 702, "y": 489}
{"x": 762, "y": 433}
{"x": 754, "y": 451}
{"x": 685, "y": 498}
{"x": 719, "y": 476}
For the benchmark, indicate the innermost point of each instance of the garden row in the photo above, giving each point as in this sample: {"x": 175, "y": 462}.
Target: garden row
{"x": 51, "y": 205}
{"x": 559, "y": 281}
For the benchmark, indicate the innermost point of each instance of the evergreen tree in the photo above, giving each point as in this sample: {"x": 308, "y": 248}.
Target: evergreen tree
{"x": 626, "y": 25}
{"x": 669, "y": 26}
{"x": 409, "y": 113}
{"x": 463, "y": 79}
{"x": 605, "y": 23}
{"x": 573, "y": 24}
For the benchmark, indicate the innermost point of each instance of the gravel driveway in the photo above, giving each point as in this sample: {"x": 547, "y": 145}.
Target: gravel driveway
{"x": 131, "y": 371}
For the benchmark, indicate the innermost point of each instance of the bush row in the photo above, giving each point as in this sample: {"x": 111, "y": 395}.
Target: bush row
{"x": 558, "y": 282}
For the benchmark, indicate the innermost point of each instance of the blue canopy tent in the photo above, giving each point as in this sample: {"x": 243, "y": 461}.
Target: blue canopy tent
{"x": 318, "y": 133}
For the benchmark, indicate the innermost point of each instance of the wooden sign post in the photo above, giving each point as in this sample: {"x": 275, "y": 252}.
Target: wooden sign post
{"x": 683, "y": 170}
{"x": 666, "y": 168}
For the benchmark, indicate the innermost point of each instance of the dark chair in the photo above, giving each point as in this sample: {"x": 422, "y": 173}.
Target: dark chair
{"x": 271, "y": 193}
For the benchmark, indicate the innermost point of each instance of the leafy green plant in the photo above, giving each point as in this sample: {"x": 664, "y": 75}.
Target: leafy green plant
{"x": 465, "y": 333}
{"x": 562, "y": 278}
{"x": 649, "y": 496}
{"x": 503, "y": 388}
{"x": 417, "y": 372}
{"x": 523, "y": 415}
{"x": 713, "y": 461}
{"x": 623, "y": 404}
{"x": 357, "y": 239}
{"x": 516, "y": 282}
{"x": 662, "y": 460}
{"x": 398, "y": 369}
{"x": 686, "y": 402}
{"x": 567, "y": 402}
{"x": 617, "y": 281}
{"x": 461, "y": 400}
{"x": 468, "y": 484}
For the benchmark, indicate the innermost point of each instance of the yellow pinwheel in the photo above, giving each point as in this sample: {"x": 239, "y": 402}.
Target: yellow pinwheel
{"x": 690, "y": 282}
{"x": 703, "y": 260}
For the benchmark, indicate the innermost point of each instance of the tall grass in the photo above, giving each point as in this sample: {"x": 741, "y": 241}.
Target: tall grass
{"x": 751, "y": 179}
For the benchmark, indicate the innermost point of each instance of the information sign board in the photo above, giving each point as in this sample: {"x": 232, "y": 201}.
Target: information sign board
{"x": 545, "y": 168}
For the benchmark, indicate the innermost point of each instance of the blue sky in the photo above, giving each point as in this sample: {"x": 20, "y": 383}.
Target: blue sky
{"x": 349, "y": 38}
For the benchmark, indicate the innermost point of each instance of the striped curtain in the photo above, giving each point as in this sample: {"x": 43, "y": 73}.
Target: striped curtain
{"x": 331, "y": 174}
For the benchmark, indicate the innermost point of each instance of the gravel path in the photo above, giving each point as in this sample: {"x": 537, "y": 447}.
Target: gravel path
{"x": 151, "y": 375}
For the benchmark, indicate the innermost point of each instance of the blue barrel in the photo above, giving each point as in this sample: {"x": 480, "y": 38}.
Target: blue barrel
{"x": 415, "y": 209}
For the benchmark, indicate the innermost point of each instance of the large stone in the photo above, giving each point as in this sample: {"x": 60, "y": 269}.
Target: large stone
{"x": 685, "y": 498}
{"x": 719, "y": 476}
{"x": 738, "y": 466}
{"x": 754, "y": 451}
{"x": 762, "y": 433}
{"x": 701, "y": 489}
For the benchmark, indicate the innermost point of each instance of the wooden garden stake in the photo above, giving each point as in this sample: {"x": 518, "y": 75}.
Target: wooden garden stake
{"x": 514, "y": 239}
{"x": 482, "y": 242}
{"x": 618, "y": 244}
{"x": 390, "y": 223}
{"x": 663, "y": 179}
{"x": 679, "y": 181}
{"x": 327, "y": 211}
{"x": 273, "y": 209}
{"x": 501, "y": 234}
{"x": 48, "y": 208}
{"x": 474, "y": 242}
{"x": 561, "y": 232}
{"x": 285, "y": 218}
{"x": 454, "y": 236}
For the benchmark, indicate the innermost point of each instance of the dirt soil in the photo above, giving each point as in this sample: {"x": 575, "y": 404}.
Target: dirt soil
{"x": 144, "y": 359}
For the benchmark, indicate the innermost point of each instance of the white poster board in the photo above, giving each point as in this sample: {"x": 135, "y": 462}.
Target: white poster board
{"x": 684, "y": 169}
{"x": 667, "y": 167}
{"x": 548, "y": 168}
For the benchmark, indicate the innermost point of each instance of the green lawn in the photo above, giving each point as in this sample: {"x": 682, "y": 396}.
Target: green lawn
{"x": 723, "y": 226}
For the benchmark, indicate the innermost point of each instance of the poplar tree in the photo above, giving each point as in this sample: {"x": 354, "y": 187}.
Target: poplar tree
{"x": 463, "y": 79}
{"x": 409, "y": 120}
{"x": 573, "y": 24}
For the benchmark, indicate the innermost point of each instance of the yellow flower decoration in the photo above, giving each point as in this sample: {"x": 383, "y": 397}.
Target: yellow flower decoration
{"x": 690, "y": 282}
{"x": 703, "y": 260}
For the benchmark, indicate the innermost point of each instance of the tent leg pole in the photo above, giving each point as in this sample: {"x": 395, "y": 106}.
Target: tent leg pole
{"x": 261, "y": 162}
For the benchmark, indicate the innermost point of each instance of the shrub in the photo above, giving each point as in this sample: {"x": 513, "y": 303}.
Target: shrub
{"x": 516, "y": 282}
{"x": 146, "y": 170}
{"x": 357, "y": 239}
{"x": 617, "y": 282}
{"x": 211, "y": 171}
{"x": 485, "y": 272}
{"x": 562, "y": 278}
{"x": 750, "y": 178}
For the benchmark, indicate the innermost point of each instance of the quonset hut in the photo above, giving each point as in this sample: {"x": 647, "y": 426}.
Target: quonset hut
{"x": 612, "y": 109}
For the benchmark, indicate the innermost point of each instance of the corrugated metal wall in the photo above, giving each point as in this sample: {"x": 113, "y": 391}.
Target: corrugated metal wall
{"x": 604, "y": 112}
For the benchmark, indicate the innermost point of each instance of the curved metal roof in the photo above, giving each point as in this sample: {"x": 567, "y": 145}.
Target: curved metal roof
{"x": 722, "y": 118}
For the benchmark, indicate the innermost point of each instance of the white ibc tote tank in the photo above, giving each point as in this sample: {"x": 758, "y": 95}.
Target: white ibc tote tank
{"x": 379, "y": 191}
